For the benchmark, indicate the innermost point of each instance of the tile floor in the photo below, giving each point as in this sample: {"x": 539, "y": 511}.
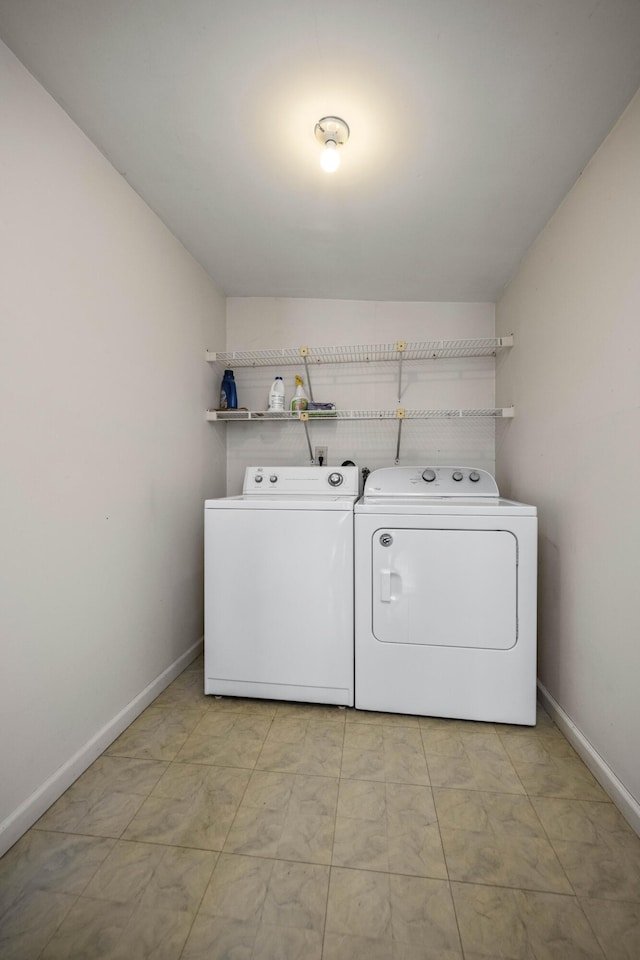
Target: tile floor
{"x": 252, "y": 830}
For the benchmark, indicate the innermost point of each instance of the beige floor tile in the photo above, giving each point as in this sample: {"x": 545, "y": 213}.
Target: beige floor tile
{"x": 477, "y": 771}
{"x": 496, "y": 813}
{"x": 29, "y": 919}
{"x": 308, "y": 838}
{"x": 192, "y": 806}
{"x": 581, "y": 821}
{"x": 562, "y": 777}
{"x": 503, "y": 924}
{"x": 296, "y": 896}
{"x": 314, "y": 796}
{"x": 286, "y": 943}
{"x": 413, "y": 917}
{"x": 267, "y": 790}
{"x": 386, "y": 753}
{"x": 359, "y": 904}
{"x": 223, "y": 751}
{"x": 442, "y": 741}
{"x": 238, "y": 888}
{"x": 388, "y": 827}
{"x": 505, "y": 860}
{"x": 595, "y": 845}
{"x": 188, "y": 688}
{"x": 237, "y": 725}
{"x": 153, "y": 935}
{"x": 125, "y": 874}
{"x": 262, "y": 908}
{"x": 216, "y": 938}
{"x": 386, "y": 719}
{"x": 344, "y": 946}
{"x": 286, "y": 816}
{"x": 156, "y": 877}
{"x": 91, "y": 931}
{"x": 105, "y": 816}
{"x": 497, "y": 839}
{"x": 537, "y": 748}
{"x": 617, "y": 927}
{"x": 256, "y": 832}
{"x": 53, "y": 861}
{"x": 157, "y": 734}
{"x": 308, "y": 744}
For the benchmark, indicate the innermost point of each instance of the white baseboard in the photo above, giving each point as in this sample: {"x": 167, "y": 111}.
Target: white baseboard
{"x": 24, "y": 816}
{"x": 624, "y": 801}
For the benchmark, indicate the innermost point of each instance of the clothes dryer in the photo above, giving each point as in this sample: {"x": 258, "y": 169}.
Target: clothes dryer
{"x": 445, "y": 596}
{"x": 279, "y": 586}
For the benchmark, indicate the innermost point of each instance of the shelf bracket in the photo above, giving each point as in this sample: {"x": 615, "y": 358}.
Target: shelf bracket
{"x": 400, "y": 347}
{"x": 304, "y": 353}
{"x": 305, "y": 420}
{"x": 400, "y": 417}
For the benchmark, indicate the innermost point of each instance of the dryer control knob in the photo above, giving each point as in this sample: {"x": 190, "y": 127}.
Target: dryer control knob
{"x": 429, "y": 475}
{"x": 474, "y": 476}
{"x": 335, "y": 479}
{"x": 273, "y": 478}
{"x": 457, "y": 475}
{"x": 258, "y": 478}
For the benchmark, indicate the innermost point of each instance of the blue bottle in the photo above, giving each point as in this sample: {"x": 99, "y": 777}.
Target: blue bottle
{"x": 228, "y": 395}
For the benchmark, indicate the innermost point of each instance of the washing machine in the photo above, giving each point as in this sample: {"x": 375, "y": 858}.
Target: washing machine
{"x": 445, "y": 596}
{"x": 279, "y": 586}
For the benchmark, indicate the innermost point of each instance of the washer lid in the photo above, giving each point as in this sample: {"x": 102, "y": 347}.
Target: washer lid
{"x": 257, "y": 502}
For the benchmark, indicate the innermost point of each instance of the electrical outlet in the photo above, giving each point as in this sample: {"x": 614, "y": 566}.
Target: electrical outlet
{"x": 320, "y": 452}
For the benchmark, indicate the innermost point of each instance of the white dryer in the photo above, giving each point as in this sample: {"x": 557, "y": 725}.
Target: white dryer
{"x": 279, "y": 586}
{"x": 445, "y": 594}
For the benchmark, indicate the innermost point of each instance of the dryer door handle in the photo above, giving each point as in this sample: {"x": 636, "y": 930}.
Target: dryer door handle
{"x": 385, "y": 586}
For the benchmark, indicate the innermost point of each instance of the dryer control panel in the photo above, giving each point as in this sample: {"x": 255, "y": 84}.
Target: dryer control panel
{"x": 390, "y": 482}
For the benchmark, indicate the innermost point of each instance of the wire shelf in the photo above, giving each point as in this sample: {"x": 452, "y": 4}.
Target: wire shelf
{"x": 261, "y": 416}
{"x": 364, "y": 353}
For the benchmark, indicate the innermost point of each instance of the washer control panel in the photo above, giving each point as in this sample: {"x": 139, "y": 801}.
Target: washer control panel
{"x": 301, "y": 481}
{"x": 430, "y": 482}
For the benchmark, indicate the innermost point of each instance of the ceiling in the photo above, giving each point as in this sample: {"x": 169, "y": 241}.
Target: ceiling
{"x": 470, "y": 120}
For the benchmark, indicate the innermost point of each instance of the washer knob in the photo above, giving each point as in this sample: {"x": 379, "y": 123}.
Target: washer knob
{"x": 474, "y": 476}
{"x": 335, "y": 479}
{"x": 273, "y": 478}
{"x": 258, "y": 478}
{"x": 429, "y": 475}
{"x": 457, "y": 475}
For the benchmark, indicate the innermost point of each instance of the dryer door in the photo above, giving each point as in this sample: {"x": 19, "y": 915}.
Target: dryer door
{"x": 446, "y": 588}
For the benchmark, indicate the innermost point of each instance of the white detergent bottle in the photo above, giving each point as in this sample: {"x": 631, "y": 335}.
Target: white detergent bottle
{"x": 276, "y": 395}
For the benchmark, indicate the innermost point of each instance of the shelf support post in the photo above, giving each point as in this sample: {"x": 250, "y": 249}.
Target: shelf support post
{"x": 305, "y": 420}
{"x": 304, "y": 353}
{"x": 400, "y": 347}
{"x": 400, "y": 416}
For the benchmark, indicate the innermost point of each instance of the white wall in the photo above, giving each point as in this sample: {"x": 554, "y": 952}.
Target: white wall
{"x": 258, "y": 323}
{"x": 574, "y": 375}
{"x": 106, "y": 455}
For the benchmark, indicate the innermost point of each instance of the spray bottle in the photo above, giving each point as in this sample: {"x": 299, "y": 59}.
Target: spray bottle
{"x": 299, "y": 401}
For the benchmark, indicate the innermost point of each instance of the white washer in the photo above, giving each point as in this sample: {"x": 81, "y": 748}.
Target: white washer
{"x": 279, "y": 586}
{"x": 445, "y": 586}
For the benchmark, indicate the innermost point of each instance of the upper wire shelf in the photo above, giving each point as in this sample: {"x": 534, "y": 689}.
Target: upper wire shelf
{"x": 363, "y": 353}
{"x": 397, "y": 414}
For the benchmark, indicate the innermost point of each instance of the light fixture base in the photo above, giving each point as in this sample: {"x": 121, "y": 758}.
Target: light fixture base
{"x": 332, "y": 128}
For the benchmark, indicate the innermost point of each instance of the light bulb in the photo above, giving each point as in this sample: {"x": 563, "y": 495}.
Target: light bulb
{"x": 330, "y": 158}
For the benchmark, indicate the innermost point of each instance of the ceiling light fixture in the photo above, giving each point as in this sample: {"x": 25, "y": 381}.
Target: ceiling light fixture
{"x": 332, "y": 132}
